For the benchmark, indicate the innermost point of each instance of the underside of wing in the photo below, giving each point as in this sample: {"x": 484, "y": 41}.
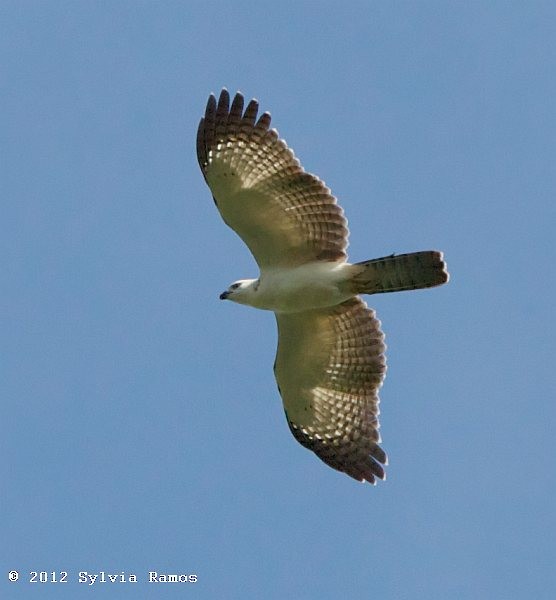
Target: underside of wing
{"x": 285, "y": 215}
{"x": 329, "y": 367}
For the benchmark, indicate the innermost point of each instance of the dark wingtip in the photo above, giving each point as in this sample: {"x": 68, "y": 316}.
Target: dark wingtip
{"x": 211, "y": 107}
{"x": 251, "y": 111}
{"x": 223, "y": 103}
{"x": 236, "y": 110}
{"x": 264, "y": 121}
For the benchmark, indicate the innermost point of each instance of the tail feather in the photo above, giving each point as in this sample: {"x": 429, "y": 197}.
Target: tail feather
{"x": 400, "y": 272}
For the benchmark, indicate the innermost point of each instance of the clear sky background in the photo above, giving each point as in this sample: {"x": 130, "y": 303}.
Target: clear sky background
{"x": 142, "y": 428}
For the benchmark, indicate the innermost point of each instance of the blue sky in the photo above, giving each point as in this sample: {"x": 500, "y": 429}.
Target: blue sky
{"x": 142, "y": 427}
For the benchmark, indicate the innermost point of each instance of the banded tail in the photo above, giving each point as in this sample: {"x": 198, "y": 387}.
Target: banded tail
{"x": 400, "y": 272}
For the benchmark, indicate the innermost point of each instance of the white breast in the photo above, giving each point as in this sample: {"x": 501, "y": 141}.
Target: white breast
{"x": 312, "y": 285}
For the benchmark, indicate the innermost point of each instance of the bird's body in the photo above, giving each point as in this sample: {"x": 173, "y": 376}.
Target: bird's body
{"x": 305, "y": 287}
{"x": 330, "y": 359}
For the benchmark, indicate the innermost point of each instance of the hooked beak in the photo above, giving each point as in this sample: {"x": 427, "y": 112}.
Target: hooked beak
{"x": 224, "y": 295}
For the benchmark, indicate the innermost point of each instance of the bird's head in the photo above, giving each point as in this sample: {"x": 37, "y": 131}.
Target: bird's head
{"x": 241, "y": 291}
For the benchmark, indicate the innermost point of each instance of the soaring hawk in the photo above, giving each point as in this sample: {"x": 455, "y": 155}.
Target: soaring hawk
{"x": 330, "y": 361}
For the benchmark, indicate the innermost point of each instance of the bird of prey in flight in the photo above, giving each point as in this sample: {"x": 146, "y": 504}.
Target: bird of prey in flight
{"x": 330, "y": 360}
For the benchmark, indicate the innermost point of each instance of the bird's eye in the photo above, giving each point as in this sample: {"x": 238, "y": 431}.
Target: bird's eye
{"x": 234, "y": 286}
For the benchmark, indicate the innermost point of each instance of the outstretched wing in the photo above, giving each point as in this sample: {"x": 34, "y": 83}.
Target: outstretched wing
{"x": 285, "y": 216}
{"x": 329, "y": 367}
